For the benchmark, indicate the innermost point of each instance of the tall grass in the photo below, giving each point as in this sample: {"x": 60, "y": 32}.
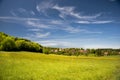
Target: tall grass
{"x": 35, "y": 66}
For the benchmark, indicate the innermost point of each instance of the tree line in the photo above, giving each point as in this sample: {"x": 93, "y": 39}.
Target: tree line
{"x": 10, "y": 43}
{"x": 81, "y": 51}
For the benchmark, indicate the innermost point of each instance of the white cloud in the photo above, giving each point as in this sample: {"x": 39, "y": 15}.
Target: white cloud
{"x": 94, "y": 22}
{"x": 101, "y": 22}
{"x": 22, "y": 10}
{"x": 92, "y": 32}
{"x": 16, "y": 18}
{"x": 36, "y": 29}
{"x": 41, "y": 35}
{"x": 37, "y": 24}
{"x": 37, "y": 35}
{"x": 62, "y": 16}
{"x": 70, "y": 11}
{"x": 49, "y": 24}
{"x": 71, "y": 29}
{"x": 56, "y": 22}
{"x": 54, "y": 43}
{"x": 13, "y": 13}
{"x": 83, "y": 22}
{"x": 96, "y": 46}
{"x": 43, "y": 6}
{"x": 32, "y": 12}
{"x": 53, "y": 24}
{"x": 77, "y": 30}
{"x": 64, "y": 10}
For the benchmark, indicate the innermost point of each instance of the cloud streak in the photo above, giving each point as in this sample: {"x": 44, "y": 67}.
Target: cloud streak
{"x": 16, "y": 18}
{"x": 70, "y": 11}
{"x": 42, "y": 35}
{"x": 22, "y": 12}
{"x": 37, "y": 24}
{"x": 94, "y": 22}
{"x": 38, "y": 35}
{"x": 34, "y": 30}
{"x": 72, "y": 29}
{"x": 44, "y": 6}
{"x": 49, "y": 24}
{"x": 54, "y": 43}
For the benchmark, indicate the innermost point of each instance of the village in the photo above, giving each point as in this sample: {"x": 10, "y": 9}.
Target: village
{"x": 81, "y": 51}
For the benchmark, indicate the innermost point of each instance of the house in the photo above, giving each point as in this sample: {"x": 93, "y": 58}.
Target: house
{"x": 106, "y": 53}
{"x": 56, "y": 50}
{"x": 119, "y": 53}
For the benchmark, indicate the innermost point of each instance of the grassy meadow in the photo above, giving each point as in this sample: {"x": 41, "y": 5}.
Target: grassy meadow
{"x": 35, "y": 66}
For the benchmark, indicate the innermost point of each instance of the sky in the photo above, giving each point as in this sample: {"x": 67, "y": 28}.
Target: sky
{"x": 63, "y": 23}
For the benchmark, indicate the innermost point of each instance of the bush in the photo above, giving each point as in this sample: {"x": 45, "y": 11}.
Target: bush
{"x": 23, "y": 45}
{"x": 8, "y": 44}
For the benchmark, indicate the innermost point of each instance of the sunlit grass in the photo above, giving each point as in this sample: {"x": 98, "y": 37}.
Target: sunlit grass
{"x": 36, "y": 66}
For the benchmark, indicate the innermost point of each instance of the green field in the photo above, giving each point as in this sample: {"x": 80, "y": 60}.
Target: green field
{"x": 35, "y": 66}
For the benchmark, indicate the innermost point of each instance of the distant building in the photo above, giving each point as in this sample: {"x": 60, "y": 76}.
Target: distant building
{"x": 119, "y": 53}
{"x": 81, "y": 51}
{"x": 56, "y": 50}
{"x": 105, "y": 53}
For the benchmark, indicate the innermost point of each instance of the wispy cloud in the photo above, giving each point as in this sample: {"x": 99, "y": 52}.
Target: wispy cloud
{"x": 37, "y": 24}
{"x": 22, "y": 12}
{"x": 77, "y": 30}
{"x": 96, "y": 46}
{"x": 101, "y": 22}
{"x": 13, "y": 13}
{"x": 44, "y": 6}
{"x": 54, "y": 24}
{"x": 92, "y": 32}
{"x": 38, "y": 35}
{"x": 42, "y": 35}
{"x": 70, "y": 11}
{"x": 35, "y": 30}
{"x": 71, "y": 29}
{"x": 57, "y": 22}
{"x": 32, "y": 12}
{"x": 47, "y": 24}
{"x": 67, "y": 42}
{"x": 54, "y": 43}
{"x": 16, "y": 18}
{"x": 94, "y": 22}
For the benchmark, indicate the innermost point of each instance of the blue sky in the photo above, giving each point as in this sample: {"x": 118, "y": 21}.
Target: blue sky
{"x": 63, "y": 23}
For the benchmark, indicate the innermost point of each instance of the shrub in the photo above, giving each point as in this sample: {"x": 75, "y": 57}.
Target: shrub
{"x": 8, "y": 44}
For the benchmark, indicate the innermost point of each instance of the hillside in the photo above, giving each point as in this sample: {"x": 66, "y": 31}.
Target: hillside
{"x": 10, "y": 43}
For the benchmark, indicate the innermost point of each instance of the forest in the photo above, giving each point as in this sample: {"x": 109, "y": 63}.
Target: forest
{"x": 10, "y": 43}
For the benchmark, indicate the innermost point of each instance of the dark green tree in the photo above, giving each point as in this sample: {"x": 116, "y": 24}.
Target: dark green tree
{"x": 8, "y": 44}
